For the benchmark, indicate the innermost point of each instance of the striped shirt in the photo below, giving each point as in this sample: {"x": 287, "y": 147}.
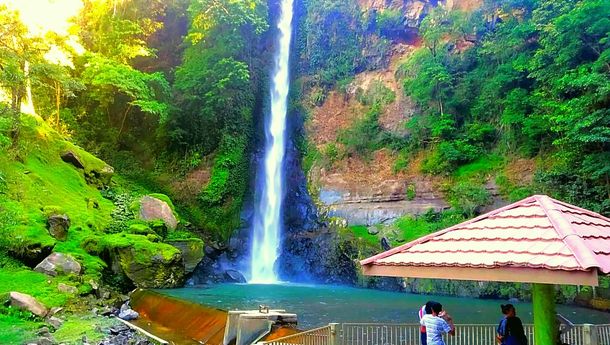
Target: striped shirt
{"x": 435, "y": 327}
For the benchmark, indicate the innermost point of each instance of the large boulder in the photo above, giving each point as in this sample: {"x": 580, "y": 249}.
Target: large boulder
{"x": 192, "y": 252}
{"x": 235, "y": 276}
{"x": 58, "y": 225}
{"x": 95, "y": 170}
{"x": 26, "y": 302}
{"x": 146, "y": 264}
{"x": 57, "y": 264}
{"x": 153, "y": 208}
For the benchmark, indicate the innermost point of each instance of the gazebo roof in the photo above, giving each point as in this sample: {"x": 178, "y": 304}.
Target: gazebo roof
{"x": 538, "y": 240}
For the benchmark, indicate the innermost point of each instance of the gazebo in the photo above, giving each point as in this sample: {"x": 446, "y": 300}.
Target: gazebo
{"x": 537, "y": 240}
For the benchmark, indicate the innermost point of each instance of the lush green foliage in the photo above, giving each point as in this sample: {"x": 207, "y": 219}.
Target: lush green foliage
{"x": 331, "y": 42}
{"x": 536, "y": 82}
{"x": 216, "y": 94}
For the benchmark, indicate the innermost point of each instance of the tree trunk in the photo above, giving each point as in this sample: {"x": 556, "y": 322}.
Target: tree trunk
{"x": 16, "y": 96}
{"x": 123, "y": 122}
{"x": 57, "y": 101}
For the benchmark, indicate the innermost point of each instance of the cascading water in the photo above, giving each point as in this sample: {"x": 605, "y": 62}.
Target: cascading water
{"x": 267, "y": 222}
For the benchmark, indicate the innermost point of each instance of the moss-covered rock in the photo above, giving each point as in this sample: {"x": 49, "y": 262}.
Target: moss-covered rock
{"x": 95, "y": 170}
{"x": 140, "y": 229}
{"x": 58, "y": 225}
{"x": 146, "y": 264}
{"x": 192, "y": 252}
{"x": 29, "y": 244}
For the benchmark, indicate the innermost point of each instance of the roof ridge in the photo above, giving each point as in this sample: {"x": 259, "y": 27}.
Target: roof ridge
{"x": 584, "y": 210}
{"x": 441, "y": 232}
{"x": 566, "y": 232}
{"x": 479, "y": 251}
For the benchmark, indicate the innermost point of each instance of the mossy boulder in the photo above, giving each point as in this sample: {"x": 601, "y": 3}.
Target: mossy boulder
{"x": 58, "y": 225}
{"x": 156, "y": 207}
{"x": 192, "y": 252}
{"x": 29, "y": 244}
{"x": 146, "y": 264}
{"x": 140, "y": 229}
{"x": 96, "y": 171}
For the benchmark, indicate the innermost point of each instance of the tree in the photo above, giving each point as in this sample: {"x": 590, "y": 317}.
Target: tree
{"x": 216, "y": 89}
{"x": 54, "y": 84}
{"x": 17, "y": 50}
{"x": 119, "y": 30}
{"x": 572, "y": 68}
{"x": 120, "y": 87}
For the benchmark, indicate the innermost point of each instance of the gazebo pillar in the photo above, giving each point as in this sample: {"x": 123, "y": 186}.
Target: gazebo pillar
{"x": 545, "y": 323}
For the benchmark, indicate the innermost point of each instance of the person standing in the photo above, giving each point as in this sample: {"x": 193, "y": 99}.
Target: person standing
{"x": 425, "y": 309}
{"x": 510, "y": 329}
{"x": 437, "y": 323}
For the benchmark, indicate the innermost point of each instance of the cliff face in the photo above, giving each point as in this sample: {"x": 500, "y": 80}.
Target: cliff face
{"x": 375, "y": 189}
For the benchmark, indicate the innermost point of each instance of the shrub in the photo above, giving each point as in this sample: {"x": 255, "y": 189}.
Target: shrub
{"x": 389, "y": 20}
{"x": 377, "y": 93}
{"x": 363, "y": 136}
{"x": 401, "y": 163}
{"x": 411, "y": 194}
{"x": 449, "y": 155}
{"x": 468, "y": 198}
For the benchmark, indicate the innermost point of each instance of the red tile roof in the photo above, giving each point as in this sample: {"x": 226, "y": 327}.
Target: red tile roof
{"x": 537, "y": 232}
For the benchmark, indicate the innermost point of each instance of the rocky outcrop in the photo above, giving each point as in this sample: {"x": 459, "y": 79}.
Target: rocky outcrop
{"x": 143, "y": 263}
{"x": 151, "y": 208}
{"x": 377, "y": 202}
{"x": 96, "y": 171}
{"x": 320, "y": 257}
{"x": 58, "y": 264}
{"x": 26, "y": 302}
{"x": 235, "y": 276}
{"x": 121, "y": 334}
{"x": 58, "y": 225}
{"x": 192, "y": 252}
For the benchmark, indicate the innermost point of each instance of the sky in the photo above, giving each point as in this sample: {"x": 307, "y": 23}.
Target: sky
{"x": 42, "y": 16}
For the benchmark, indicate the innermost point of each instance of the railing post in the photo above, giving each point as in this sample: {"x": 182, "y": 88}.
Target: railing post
{"x": 589, "y": 333}
{"x": 334, "y": 335}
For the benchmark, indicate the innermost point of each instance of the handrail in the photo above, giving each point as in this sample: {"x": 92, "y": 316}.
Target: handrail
{"x": 408, "y": 333}
{"x": 320, "y": 331}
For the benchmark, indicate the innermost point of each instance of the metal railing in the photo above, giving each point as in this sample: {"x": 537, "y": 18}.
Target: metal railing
{"x": 379, "y": 334}
{"x": 317, "y": 336}
{"x": 603, "y": 334}
{"x": 408, "y": 334}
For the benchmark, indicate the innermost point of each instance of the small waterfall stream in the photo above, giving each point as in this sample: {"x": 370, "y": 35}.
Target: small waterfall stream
{"x": 267, "y": 218}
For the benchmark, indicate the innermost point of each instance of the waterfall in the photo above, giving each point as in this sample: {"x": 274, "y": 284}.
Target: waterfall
{"x": 267, "y": 221}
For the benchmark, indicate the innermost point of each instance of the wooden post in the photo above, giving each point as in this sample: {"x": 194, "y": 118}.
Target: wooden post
{"x": 545, "y": 323}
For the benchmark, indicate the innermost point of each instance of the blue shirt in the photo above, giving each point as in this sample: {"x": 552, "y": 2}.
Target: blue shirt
{"x": 435, "y": 327}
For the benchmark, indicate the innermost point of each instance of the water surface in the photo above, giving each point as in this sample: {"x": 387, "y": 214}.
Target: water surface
{"x": 317, "y": 305}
